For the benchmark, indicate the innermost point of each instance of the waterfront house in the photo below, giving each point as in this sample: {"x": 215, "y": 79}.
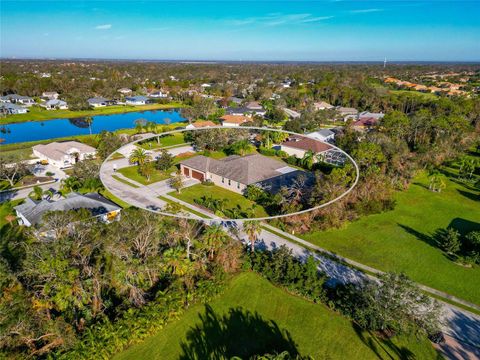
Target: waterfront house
{"x": 17, "y": 99}
{"x": 64, "y": 154}
{"x": 235, "y": 172}
{"x": 31, "y": 212}
{"x": 99, "y": 102}
{"x": 12, "y": 109}
{"x": 136, "y": 100}
{"x": 54, "y": 104}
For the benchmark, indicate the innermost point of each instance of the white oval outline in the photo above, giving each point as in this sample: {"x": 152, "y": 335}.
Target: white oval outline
{"x": 357, "y": 177}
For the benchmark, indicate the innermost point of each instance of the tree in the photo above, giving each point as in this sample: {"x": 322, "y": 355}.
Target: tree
{"x": 308, "y": 159}
{"x": 89, "y": 121}
{"x": 147, "y": 170}
{"x": 164, "y": 161}
{"x": 12, "y": 169}
{"x": 38, "y": 193}
{"x": 214, "y": 237}
{"x": 241, "y": 147}
{"x": 139, "y": 156}
{"x": 108, "y": 142}
{"x": 449, "y": 241}
{"x": 176, "y": 182}
{"x": 252, "y": 228}
{"x": 436, "y": 182}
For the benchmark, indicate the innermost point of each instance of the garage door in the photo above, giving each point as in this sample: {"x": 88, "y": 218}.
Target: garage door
{"x": 197, "y": 175}
{"x": 186, "y": 171}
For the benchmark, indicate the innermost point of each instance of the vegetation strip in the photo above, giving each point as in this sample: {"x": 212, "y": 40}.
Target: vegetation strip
{"x": 122, "y": 180}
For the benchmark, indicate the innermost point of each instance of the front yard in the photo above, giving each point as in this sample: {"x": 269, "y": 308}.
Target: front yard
{"x": 232, "y": 200}
{"x": 132, "y": 173}
{"x": 165, "y": 141}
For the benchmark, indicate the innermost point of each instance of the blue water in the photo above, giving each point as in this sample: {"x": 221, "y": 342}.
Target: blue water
{"x": 36, "y": 130}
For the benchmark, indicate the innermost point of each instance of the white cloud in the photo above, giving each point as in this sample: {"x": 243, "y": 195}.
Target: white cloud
{"x": 364, "y": 11}
{"x": 275, "y": 19}
{"x": 103, "y": 27}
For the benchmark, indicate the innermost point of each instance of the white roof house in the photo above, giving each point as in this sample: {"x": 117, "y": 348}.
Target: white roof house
{"x": 17, "y": 99}
{"x": 64, "y": 154}
{"x": 54, "y": 104}
{"x": 125, "y": 91}
{"x": 52, "y": 95}
{"x": 322, "y": 135}
{"x": 322, "y": 105}
{"x": 291, "y": 113}
{"x": 9, "y": 108}
{"x": 136, "y": 100}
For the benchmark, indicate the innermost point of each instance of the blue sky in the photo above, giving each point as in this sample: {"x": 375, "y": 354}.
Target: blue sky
{"x": 242, "y": 30}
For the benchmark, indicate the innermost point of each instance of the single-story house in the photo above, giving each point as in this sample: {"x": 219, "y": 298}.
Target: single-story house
{"x": 346, "y": 112}
{"x": 299, "y": 145}
{"x": 63, "y": 154}
{"x": 235, "y": 100}
{"x": 322, "y": 105}
{"x": 368, "y": 114}
{"x": 136, "y": 100}
{"x": 322, "y": 135}
{"x": 234, "y": 120}
{"x": 125, "y": 91}
{"x": 12, "y": 109}
{"x": 365, "y": 123}
{"x": 235, "y": 172}
{"x": 31, "y": 212}
{"x": 200, "y": 124}
{"x": 54, "y": 104}
{"x": 254, "y": 105}
{"x": 291, "y": 113}
{"x": 51, "y": 95}
{"x": 99, "y": 102}
{"x": 17, "y": 99}
{"x": 158, "y": 94}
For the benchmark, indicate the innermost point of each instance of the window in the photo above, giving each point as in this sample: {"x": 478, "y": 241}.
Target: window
{"x": 229, "y": 182}
{"x": 223, "y": 180}
{"x": 238, "y": 185}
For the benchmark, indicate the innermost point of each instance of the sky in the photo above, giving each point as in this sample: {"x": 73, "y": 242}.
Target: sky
{"x": 258, "y": 30}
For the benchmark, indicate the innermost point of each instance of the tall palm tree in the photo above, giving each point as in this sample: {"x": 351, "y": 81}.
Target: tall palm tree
{"x": 89, "y": 121}
{"x": 139, "y": 156}
{"x": 252, "y": 228}
{"x": 214, "y": 237}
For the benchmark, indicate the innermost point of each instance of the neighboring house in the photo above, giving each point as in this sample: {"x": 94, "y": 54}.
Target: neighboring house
{"x": 235, "y": 100}
{"x": 322, "y": 135}
{"x": 234, "y": 120}
{"x": 200, "y": 124}
{"x": 239, "y": 111}
{"x": 51, "y": 95}
{"x": 299, "y": 145}
{"x": 31, "y": 212}
{"x": 292, "y": 114}
{"x": 205, "y": 85}
{"x": 322, "y": 105}
{"x": 125, "y": 91}
{"x": 346, "y": 112}
{"x": 365, "y": 123}
{"x": 136, "y": 100}
{"x": 54, "y": 104}
{"x": 99, "y": 102}
{"x": 12, "y": 109}
{"x": 17, "y": 99}
{"x": 235, "y": 172}
{"x": 63, "y": 154}
{"x": 158, "y": 95}
{"x": 367, "y": 114}
{"x": 254, "y": 105}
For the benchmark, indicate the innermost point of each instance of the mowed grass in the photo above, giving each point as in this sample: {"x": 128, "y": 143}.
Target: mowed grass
{"x": 37, "y": 113}
{"x": 165, "y": 141}
{"x": 254, "y": 317}
{"x": 402, "y": 240}
{"x": 132, "y": 173}
{"x": 197, "y": 191}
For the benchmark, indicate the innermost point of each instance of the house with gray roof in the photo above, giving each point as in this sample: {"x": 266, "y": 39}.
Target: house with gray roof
{"x": 55, "y": 104}
{"x": 17, "y": 99}
{"x": 98, "y": 102}
{"x": 235, "y": 172}
{"x": 11, "y": 109}
{"x": 63, "y": 154}
{"x": 136, "y": 100}
{"x": 322, "y": 135}
{"x": 31, "y": 212}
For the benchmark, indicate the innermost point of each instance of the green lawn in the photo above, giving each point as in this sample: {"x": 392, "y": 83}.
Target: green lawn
{"x": 253, "y": 317}
{"x": 213, "y": 154}
{"x": 37, "y": 113}
{"x": 118, "y": 178}
{"x": 107, "y": 194}
{"x": 184, "y": 208}
{"x": 401, "y": 240}
{"x": 233, "y": 199}
{"x": 131, "y": 172}
{"x": 165, "y": 140}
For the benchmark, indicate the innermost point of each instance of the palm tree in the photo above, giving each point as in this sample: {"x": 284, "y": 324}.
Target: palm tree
{"x": 308, "y": 159}
{"x": 37, "y": 193}
{"x": 89, "y": 121}
{"x": 252, "y": 228}
{"x": 139, "y": 156}
{"x": 70, "y": 184}
{"x": 214, "y": 237}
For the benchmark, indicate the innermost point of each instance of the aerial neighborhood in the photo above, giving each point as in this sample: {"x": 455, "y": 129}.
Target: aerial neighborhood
{"x": 148, "y": 194}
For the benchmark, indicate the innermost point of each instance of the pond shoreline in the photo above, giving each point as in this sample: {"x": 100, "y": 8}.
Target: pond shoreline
{"x": 68, "y": 114}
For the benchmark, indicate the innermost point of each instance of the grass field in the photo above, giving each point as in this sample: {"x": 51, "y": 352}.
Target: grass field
{"x": 166, "y": 140}
{"x": 254, "y": 317}
{"x": 191, "y": 193}
{"x": 37, "y": 113}
{"x": 402, "y": 239}
{"x": 131, "y": 172}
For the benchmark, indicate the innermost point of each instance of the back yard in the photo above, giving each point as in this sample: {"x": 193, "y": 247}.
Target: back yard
{"x": 254, "y": 317}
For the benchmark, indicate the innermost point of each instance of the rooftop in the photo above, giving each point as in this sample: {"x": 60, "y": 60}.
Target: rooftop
{"x": 234, "y": 119}
{"x": 249, "y": 169}
{"x": 57, "y": 150}
{"x": 305, "y": 143}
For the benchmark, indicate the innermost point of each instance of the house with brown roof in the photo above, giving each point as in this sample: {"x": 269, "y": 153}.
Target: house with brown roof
{"x": 235, "y": 172}
{"x": 299, "y": 145}
{"x": 200, "y": 124}
{"x": 64, "y": 154}
{"x": 234, "y": 120}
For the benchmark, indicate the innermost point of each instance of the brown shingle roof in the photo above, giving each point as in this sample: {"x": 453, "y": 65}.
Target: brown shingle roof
{"x": 304, "y": 143}
{"x": 201, "y": 124}
{"x": 234, "y": 119}
{"x": 249, "y": 169}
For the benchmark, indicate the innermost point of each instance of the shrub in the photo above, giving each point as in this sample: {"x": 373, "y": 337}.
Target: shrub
{"x": 282, "y": 154}
{"x": 267, "y": 152}
{"x": 49, "y": 173}
{"x": 292, "y": 160}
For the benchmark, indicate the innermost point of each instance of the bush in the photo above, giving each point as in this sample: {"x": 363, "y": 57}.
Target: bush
{"x": 292, "y": 160}
{"x": 49, "y": 173}
{"x": 267, "y": 152}
{"x": 208, "y": 182}
{"x": 282, "y": 154}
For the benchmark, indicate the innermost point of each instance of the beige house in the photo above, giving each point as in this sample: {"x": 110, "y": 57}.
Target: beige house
{"x": 64, "y": 154}
{"x": 200, "y": 124}
{"x": 299, "y": 146}
{"x": 235, "y": 172}
{"x": 234, "y": 120}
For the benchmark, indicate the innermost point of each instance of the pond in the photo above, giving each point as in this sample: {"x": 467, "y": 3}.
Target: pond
{"x": 49, "y": 129}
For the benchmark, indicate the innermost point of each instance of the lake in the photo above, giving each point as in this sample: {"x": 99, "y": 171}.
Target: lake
{"x": 49, "y": 129}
